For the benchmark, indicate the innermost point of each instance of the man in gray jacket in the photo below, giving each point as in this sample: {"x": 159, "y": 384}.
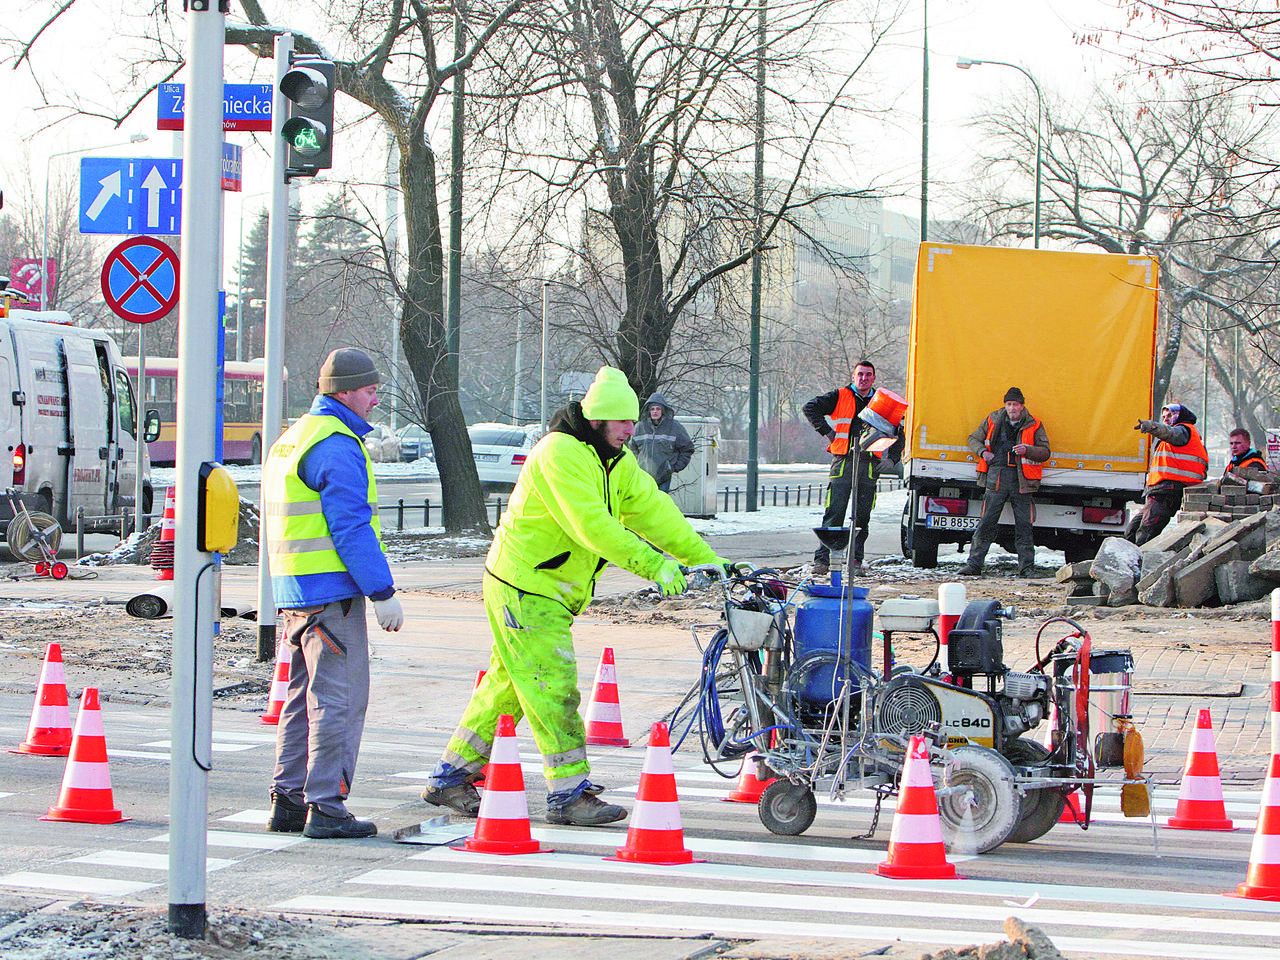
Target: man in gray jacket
{"x": 1010, "y": 448}
{"x": 661, "y": 445}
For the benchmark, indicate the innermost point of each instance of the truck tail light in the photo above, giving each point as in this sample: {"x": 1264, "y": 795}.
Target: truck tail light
{"x": 1112, "y": 515}
{"x": 19, "y": 464}
{"x": 947, "y": 505}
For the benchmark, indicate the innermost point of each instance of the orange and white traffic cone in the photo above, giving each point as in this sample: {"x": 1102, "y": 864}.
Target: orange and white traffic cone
{"x": 1072, "y": 812}
{"x": 484, "y": 771}
{"x": 655, "y": 835}
{"x": 952, "y": 599}
{"x": 279, "y": 686}
{"x": 604, "y": 712}
{"x": 49, "y": 733}
{"x": 916, "y": 850}
{"x": 86, "y": 783}
{"x": 1200, "y": 805}
{"x": 162, "y": 550}
{"x": 1262, "y": 882}
{"x": 502, "y": 825}
{"x": 749, "y": 786}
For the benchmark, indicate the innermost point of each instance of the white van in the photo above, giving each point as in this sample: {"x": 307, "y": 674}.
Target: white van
{"x": 68, "y": 421}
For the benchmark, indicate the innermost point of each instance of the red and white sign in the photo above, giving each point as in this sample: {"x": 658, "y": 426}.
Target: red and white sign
{"x": 140, "y": 280}
{"x": 27, "y": 280}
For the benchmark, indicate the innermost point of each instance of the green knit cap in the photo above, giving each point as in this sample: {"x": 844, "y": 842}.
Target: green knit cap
{"x": 610, "y": 397}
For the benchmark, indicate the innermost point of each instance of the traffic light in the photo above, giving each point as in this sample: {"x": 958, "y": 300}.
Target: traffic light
{"x": 309, "y": 87}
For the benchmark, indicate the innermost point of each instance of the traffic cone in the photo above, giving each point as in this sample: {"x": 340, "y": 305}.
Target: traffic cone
{"x": 86, "y": 783}
{"x": 655, "y": 835}
{"x": 1200, "y": 805}
{"x": 1262, "y": 882}
{"x": 279, "y": 686}
{"x": 749, "y": 786}
{"x": 1071, "y": 811}
{"x": 604, "y": 712}
{"x": 49, "y": 733}
{"x": 916, "y": 851}
{"x": 162, "y": 551}
{"x": 484, "y": 771}
{"x": 502, "y": 825}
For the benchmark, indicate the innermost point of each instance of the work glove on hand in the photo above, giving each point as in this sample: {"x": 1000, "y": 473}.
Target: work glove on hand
{"x": 729, "y": 571}
{"x": 389, "y": 613}
{"x": 670, "y": 580}
{"x": 1147, "y": 426}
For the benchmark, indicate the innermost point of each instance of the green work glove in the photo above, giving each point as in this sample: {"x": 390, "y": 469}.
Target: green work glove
{"x": 1146, "y": 426}
{"x": 670, "y": 579}
{"x": 727, "y": 564}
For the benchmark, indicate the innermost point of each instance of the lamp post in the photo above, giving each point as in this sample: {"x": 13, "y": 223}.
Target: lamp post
{"x": 964, "y": 63}
{"x": 44, "y": 244}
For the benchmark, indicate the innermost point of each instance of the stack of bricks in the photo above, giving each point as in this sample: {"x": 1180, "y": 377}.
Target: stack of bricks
{"x": 1236, "y": 495}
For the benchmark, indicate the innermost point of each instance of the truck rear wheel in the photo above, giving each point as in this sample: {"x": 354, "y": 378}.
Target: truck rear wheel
{"x": 918, "y": 546}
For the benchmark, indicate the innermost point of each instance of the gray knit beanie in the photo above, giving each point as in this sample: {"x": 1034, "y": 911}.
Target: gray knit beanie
{"x": 346, "y": 369}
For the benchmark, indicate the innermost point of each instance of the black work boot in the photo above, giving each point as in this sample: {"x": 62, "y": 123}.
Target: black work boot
{"x": 321, "y": 826}
{"x": 287, "y": 816}
{"x": 461, "y": 798}
{"x": 585, "y": 810}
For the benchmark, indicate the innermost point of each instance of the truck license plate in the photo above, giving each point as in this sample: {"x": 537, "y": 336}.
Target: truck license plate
{"x": 952, "y": 523}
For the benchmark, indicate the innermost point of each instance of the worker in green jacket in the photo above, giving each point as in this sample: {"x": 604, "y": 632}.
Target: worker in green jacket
{"x": 581, "y": 501}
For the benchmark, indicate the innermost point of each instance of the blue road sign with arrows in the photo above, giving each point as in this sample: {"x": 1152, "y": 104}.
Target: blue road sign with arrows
{"x": 134, "y": 196}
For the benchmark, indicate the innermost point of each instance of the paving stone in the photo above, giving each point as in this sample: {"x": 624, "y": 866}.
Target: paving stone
{"x": 1118, "y": 565}
{"x": 1175, "y": 536}
{"x": 1194, "y": 582}
{"x": 1236, "y": 584}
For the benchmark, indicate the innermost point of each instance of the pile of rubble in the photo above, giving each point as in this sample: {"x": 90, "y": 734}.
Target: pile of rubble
{"x": 1220, "y": 549}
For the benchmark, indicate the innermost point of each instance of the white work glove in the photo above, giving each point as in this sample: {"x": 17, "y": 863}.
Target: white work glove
{"x": 389, "y": 613}
{"x": 670, "y": 579}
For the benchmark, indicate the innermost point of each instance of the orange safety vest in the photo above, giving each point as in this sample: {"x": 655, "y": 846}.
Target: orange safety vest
{"x": 1248, "y": 463}
{"x": 846, "y": 410}
{"x": 1032, "y": 471}
{"x": 1188, "y": 463}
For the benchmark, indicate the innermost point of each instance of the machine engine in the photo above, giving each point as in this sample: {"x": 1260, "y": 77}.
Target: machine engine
{"x": 915, "y": 703}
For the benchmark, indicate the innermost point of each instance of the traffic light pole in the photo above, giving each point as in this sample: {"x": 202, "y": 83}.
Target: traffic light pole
{"x": 191, "y": 716}
{"x": 273, "y": 336}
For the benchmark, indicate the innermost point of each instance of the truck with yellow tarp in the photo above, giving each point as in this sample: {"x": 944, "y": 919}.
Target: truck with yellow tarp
{"x": 1076, "y": 332}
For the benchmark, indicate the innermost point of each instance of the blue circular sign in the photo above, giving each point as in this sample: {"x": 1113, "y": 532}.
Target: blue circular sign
{"x": 140, "y": 280}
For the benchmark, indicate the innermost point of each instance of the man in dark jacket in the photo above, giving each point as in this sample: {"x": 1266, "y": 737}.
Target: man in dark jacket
{"x": 1178, "y": 460}
{"x": 834, "y": 415}
{"x": 1010, "y": 446}
{"x": 1243, "y": 455}
{"x": 661, "y": 445}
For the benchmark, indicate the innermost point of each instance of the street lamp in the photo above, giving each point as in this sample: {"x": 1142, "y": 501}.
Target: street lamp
{"x": 964, "y": 63}
{"x": 44, "y": 245}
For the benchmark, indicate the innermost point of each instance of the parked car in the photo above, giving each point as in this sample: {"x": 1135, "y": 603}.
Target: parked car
{"x": 415, "y": 443}
{"x": 382, "y": 444}
{"x": 500, "y": 450}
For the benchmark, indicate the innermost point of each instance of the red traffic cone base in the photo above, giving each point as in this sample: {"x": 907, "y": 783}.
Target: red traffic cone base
{"x": 656, "y": 835}
{"x": 502, "y": 825}
{"x": 916, "y": 850}
{"x": 604, "y": 712}
{"x": 49, "y": 733}
{"x": 1200, "y": 805}
{"x": 749, "y": 786}
{"x": 86, "y": 783}
{"x": 279, "y": 687}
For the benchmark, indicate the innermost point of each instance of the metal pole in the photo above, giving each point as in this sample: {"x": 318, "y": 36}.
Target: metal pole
{"x": 515, "y": 374}
{"x": 191, "y": 715}
{"x": 753, "y": 399}
{"x": 273, "y": 339}
{"x": 140, "y": 416}
{"x": 924, "y": 132}
{"x": 542, "y": 416}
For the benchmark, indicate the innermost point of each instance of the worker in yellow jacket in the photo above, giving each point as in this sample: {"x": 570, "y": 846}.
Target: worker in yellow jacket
{"x": 581, "y": 502}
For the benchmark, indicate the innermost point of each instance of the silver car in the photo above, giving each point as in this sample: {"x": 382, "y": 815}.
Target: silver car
{"x": 500, "y": 451}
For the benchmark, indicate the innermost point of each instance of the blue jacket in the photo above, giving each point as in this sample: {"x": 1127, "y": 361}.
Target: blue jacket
{"x": 335, "y": 469}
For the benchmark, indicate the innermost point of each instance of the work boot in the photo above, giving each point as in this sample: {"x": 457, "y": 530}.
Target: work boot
{"x": 821, "y": 568}
{"x": 461, "y": 798}
{"x": 321, "y": 826}
{"x": 1027, "y": 573}
{"x": 969, "y": 570}
{"x": 287, "y": 816}
{"x": 585, "y": 810}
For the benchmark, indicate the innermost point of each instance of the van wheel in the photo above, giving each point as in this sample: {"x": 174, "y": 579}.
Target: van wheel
{"x": 255, "y": 450}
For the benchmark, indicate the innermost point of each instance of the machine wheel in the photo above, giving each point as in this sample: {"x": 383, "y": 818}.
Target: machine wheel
{"x": 787, "y": 808}
{"x": 26, "y": 530}
{"x": 58, "y": 571}
{"x": 981, "y": 814}
{"x": 1040, "y": 808}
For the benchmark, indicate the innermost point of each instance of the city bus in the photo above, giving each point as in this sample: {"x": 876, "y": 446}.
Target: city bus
{"x": 241, "y": 407}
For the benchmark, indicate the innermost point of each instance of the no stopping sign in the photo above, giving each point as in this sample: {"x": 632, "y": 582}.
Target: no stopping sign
{"x": 140, "y": 280}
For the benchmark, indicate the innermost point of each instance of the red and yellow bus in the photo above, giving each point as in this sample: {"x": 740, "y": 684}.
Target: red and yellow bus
{"x": 241, "y": 408}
